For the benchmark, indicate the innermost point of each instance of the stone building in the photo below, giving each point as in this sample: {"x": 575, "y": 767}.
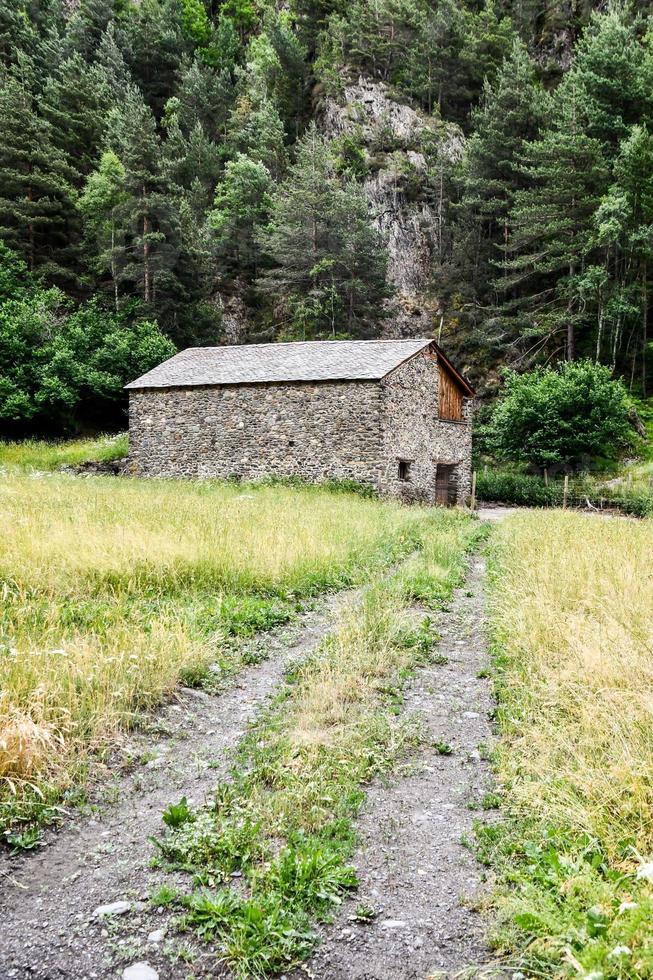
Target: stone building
{"x": 395, "y": 414}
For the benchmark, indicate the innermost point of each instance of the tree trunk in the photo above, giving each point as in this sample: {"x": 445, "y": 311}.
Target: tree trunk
{"x": 571, "y": 332}
{"x": 644, "y": 326}
{"x": 147, "y": 285}
{"x": 30, "y": 236}
{"x": 113, "y": 266}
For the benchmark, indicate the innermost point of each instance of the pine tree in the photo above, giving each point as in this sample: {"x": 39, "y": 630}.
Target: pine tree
{"x": 88, "y": 23}
{"x": 103, "y": 193}
{"x": 256, "y": 130}
{"x": 328, "y": 263}
{"x": 206, "y": 96}
{"x": 147, "y": 218}
{"x": 36, "y": 194}
{"x": 488, "y": 40}
{"x": 111, "y": 63}
{"x": 74, "y": 103}
{"x": 241, "y": 207}
{"x": 624, "y": 227}
{"x": 606, "y": 75}
{"x": 189, "y": 159}
{"x": 154, "y": 45}
{"x": 551, "y": 220}
{"x": 509, "y": 115}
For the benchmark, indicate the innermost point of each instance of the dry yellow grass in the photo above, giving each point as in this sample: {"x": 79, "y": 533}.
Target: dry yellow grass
{"x": 573, "y": 611}
{"x": 112, "y": 590}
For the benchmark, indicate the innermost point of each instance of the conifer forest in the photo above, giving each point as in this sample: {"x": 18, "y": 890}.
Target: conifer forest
{"x": 192, "y": 172}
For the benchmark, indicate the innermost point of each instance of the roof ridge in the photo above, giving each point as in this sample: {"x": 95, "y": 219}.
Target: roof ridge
{"x": 291, "y": 343}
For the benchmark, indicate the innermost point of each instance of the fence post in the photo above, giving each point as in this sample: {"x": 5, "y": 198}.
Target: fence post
{"x": 546, "y": 476}
{"x": 473, "y": 500}
{"x": 565, "y": 491}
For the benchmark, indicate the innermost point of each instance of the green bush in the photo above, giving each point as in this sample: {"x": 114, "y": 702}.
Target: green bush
{"x": 58, "y": 363}
{"x": 561, "y": 416}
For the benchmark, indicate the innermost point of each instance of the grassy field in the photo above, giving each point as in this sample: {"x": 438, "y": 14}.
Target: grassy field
{"x": 571, "y": 611}
{"x": 113, "y": 591}
{"x": 34, "y": 454}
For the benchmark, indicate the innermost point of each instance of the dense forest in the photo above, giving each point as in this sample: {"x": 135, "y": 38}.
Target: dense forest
{"x": 177, "y": 172}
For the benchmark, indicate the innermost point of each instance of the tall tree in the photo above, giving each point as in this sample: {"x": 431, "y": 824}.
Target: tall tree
{"x": 328, "y": 263}
{"x": 74, "y": 102}
{"x": 36, "y": 193}
{"x": 241, "y": 208}
{"x": 624, "y": 224}
{"x": 510, "y": 115}
{"x": 552, "y": 227}
{"x": 147, "y": 216}
{"x": 103, "y": 193}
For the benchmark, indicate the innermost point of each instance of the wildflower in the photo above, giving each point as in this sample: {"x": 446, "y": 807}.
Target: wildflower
{"x": 646, "y": 871}
{"x": 627, "y": 907}
{"x": 620, "y": 951}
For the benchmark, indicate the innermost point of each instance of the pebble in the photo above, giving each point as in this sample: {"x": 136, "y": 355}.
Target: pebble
{"x": 115, "y": 908}
{"x": 471, "y": 714}
{"x": 394, "y": 924}
{"x": 140, "y": 971}
{"x": 157, "y": 936}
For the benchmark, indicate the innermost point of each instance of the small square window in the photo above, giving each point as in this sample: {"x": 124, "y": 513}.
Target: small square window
{"x": 403, "y": 472}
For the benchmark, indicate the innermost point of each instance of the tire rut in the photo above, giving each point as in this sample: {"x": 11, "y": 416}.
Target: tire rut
{"x": 47, "y": 898}
{"x": 413, "y": 868}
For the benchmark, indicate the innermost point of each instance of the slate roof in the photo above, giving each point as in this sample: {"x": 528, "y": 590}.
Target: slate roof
{"x": 324, "y": 360}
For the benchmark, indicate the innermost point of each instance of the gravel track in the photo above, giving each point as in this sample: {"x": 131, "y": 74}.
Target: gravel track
{"x": 47, "y": 898}
{"x": 414, "y": 870}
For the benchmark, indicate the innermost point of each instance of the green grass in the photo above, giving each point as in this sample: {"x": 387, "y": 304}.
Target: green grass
{"x": 116, "y": 590}
{"x": 284, "y": 822}
{"x": 33, "y": 454}
{"x": 570, "y": 604}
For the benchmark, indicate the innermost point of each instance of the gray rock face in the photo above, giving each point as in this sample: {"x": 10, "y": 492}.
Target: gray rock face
{"x": 357, "y": 430}
{"x": 393, "y": 135}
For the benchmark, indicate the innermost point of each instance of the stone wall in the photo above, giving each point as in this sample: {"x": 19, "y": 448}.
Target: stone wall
{"x": 413, "y": 432}
{"x": 357, "y": 430}
{"x": 313, "y": 431}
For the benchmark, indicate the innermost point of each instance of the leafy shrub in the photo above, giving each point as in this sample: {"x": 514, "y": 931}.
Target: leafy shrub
{"x": 177, "y": 814}
{"x": 517, "y": 488}
{"x": 559, "y": 416}
{"x": 58, "y": 363}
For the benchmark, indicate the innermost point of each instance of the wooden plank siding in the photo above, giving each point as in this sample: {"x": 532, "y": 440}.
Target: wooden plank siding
{"x": 450, "y": 406}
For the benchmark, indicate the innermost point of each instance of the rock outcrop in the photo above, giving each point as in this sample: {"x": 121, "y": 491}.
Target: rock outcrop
{"x": 407, "y": 155}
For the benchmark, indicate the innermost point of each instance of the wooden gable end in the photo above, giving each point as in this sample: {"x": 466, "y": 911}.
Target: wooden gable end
{"x": 450, "y": 407}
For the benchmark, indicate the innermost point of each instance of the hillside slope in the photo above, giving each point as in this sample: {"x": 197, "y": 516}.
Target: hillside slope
{"x": 178, "y": 172}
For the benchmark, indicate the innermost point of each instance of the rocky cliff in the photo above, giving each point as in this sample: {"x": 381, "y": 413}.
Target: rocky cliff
{"x": 406, "y": 158}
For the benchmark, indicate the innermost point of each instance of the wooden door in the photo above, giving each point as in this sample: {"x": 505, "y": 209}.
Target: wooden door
{"x": 445, "y": 484}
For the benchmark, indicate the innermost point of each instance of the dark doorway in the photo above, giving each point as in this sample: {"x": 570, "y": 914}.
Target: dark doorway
{"x": 446, "y": 484}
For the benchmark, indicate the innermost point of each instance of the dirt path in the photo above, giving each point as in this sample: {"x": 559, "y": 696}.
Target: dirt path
{"x": 413, "y": 869}
{"x": 47, "y": 899}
